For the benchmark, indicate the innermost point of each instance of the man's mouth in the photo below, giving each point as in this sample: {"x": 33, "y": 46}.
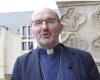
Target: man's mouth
{"x": 45, "y": 35}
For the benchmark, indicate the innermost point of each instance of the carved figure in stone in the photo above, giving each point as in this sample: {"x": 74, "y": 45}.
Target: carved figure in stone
{"x": 73, "y": 40}
{"x": 72, "y": 19}
{"x": 63, "y": 36}
{"x": 96, "y": 42}
{"x": 96, "y": 16}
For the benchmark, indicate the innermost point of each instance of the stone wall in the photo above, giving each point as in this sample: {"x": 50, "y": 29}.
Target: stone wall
{"x": 3, "y": 32}
{"x": 81, "y": 21}
{"x": 10, "y": 49}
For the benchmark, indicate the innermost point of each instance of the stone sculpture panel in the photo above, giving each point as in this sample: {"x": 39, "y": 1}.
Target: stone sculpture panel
{"x": 81, "y": 20}
{"x": 72, "y": 20}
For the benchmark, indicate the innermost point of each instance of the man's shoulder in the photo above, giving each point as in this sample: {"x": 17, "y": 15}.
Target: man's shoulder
{"x": 27, "y": 55}
{"x": 76, "y": 51}
{"x": 72, "y": 48}
{"x": 80, "y": 54}
{"x": 26, "y": 60}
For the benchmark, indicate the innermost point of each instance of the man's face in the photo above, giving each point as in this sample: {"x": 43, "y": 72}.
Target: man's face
{"x": 46, "y": 28}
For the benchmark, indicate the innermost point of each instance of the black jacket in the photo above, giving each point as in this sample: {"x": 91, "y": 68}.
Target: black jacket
{"x": 27, "y": 66}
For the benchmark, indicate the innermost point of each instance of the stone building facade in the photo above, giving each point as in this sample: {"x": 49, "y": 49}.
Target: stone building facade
{"x": 10, "y": 48}
{"x": 13, "y": 45}
{"x": 81, "y": 21}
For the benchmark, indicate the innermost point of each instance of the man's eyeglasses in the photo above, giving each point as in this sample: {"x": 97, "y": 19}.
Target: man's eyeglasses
{"x": 49, "y": 21}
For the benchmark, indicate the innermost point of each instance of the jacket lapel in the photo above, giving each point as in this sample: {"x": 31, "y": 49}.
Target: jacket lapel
{"x": 75, "y": 65}
{"x": 36, "y": 66}
{"x": 72, "y": 57}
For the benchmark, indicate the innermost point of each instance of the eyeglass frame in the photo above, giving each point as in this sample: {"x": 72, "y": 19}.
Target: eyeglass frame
{"x": 49, "y": 21}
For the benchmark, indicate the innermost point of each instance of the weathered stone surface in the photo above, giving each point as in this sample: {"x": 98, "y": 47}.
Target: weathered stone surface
{"x": 81, "y": 21}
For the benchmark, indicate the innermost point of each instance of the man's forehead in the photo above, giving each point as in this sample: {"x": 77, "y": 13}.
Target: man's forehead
{"x": 44, "y": 13}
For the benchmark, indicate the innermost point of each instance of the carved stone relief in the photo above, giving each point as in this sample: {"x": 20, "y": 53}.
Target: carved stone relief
{"x": 79, "y": 30}
{"x": 96, "y": 16}
{"x": 72, "y": 20}
{"x": 96, "y": 19}
{"x": 96, "y": 42}
{"x": 74, "y": 40}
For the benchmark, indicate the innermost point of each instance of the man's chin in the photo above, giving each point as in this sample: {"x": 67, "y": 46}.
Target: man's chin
{"x": 46, "y": 43}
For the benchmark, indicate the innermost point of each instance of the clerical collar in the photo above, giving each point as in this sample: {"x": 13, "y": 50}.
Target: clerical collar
{"x": 50, "y": 51}
{"x": 46, "y": 51}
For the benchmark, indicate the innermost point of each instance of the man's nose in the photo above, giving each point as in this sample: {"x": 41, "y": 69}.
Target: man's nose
{"x": 45, "y": 25}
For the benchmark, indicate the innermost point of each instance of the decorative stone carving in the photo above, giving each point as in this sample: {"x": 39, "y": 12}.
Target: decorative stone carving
{"x": 72, "y": 19}
{"x": 73, "y": 40}
{"x": 96, "y": 16}
{"x": 79, "y": 30}
{"x": 96, "y": 42}
{"x": 96, "y": 19}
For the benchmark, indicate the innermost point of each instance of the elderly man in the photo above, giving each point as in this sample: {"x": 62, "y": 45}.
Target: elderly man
{"x": 52, "y": 60}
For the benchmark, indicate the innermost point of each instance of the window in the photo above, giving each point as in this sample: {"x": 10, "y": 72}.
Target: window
{"x": 29, "y": 30}
{"x": 24, "y": 38}
{"x": 24, "y": 45}
{"x": 27, "y": 40}
{"x": 24, "y": 30}
{"x": 30, "y": 45}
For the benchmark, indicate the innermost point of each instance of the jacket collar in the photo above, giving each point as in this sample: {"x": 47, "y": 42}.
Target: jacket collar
{"x": 72, "y": 56}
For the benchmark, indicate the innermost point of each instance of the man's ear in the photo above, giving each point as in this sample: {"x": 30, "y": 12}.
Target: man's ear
{"x": 32, "y": 33}
{"x": 61, "y": 27}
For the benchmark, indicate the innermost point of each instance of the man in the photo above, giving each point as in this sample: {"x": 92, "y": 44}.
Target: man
{"x": 52, "y": 60}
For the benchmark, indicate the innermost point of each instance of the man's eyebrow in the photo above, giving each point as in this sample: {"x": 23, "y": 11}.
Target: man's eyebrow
{"x": 45, "y": 18}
